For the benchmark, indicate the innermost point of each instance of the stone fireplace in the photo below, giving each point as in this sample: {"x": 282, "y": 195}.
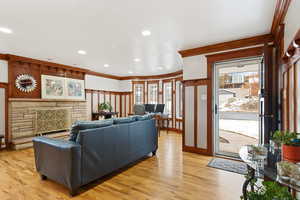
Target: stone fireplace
{"x": 29, "y": 117}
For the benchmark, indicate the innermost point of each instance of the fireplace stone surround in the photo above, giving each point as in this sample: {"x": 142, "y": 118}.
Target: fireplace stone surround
{"x": 22, "y": 114}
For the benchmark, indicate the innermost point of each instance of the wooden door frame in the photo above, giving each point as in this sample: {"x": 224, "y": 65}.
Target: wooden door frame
{"x": 6, "y": 136}
{"x": 221, "y": 57}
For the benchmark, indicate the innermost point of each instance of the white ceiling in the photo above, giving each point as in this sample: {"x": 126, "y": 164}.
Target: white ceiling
{"x": 110, "y": 31}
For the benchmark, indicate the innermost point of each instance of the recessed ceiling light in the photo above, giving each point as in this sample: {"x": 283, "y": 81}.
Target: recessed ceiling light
{"x": 130, "y": 72}
{"x": 146, "y": 32}
{"x": 5, "y": 30}
{"x": 137, "y": 60}
{"x": 106, "y": 65}
{"x": 160, "y": 68}
{"x": 82, "y": 52}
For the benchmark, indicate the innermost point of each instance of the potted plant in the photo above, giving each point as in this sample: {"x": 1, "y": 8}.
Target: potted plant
{"x": 269, "y": 190}
{"x": 105, "y": 107}
{"x": 290, "y": 145}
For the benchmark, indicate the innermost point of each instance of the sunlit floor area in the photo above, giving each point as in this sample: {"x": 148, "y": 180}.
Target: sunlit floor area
{"x": 172, "y": 174}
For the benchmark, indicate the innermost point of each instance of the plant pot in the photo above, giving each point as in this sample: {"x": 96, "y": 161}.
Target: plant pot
{"x": 291, "y": 153}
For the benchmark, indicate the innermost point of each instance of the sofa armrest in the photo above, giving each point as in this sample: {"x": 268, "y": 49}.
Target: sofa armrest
{"x": 58, "y": 160}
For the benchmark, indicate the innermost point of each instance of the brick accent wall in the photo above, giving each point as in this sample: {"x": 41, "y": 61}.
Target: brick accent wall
{"x": 22, "y": 114}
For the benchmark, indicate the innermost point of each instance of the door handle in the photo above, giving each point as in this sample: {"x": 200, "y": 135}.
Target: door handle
{"x": 216, "y": 109}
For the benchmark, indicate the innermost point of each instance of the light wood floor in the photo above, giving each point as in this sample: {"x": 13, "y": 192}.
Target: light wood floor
{"x": 171, "y": 174}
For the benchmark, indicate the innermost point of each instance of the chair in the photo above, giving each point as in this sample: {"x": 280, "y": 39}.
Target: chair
{"x": 159, "y": 108}
{"x": 150, "y": 108}
{"x": 138, "y": 109}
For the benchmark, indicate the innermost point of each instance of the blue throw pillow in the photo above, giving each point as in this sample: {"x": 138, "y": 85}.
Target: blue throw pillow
{"x": 123, "y": 120}
{"x": 83, "y": 125}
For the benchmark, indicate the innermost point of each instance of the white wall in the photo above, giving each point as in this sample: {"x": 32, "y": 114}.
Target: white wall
{"x": 125, "y": 86}
{"x": 99, "y": 83}
{"x": 3, "y": 71}
{"x": 292, "y": 22}
{"x": 194, "y": 67}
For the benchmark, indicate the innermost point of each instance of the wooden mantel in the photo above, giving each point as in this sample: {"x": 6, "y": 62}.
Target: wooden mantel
{"x": 43, "y": 100}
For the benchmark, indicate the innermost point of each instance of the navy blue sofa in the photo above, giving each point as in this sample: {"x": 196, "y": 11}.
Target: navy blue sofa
{"x": 95, "y": 152}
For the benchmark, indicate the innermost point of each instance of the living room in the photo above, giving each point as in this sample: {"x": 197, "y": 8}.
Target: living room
{"x": 150, "y": 100}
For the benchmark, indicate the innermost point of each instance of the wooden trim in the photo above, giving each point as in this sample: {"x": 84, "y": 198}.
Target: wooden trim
{"x": 183, "y": 114}
{"x": 3, "y": 56}
{"x": 7, "y": 134}
{"x": 293, "y": 51}
{"x": 160, "y": 76}
{"x": 295, "y": 98}
{"x": 288, "y": 101}
{"x": 196, "y": 150}
{"x": 211, "y": 59}
{"x": 11, "y": 57}
{"x": 243, "y": 53}
{"x": 93, "y": 73}
{"x": 279, "y": 14}
{"x": 195, "y": 82}
{"x": 152, "y": 83}
{"x": 195, "y": 116}
{"x": 241, "y": 43}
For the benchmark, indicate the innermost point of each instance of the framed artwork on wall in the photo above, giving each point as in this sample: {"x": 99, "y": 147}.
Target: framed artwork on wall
{"x": 54, "y": 87}
{"x": 74, "y": 89}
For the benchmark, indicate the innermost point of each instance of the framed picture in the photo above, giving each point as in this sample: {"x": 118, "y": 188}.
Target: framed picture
{"x": 74, "y": 89}
{"x": 54, "y": 87}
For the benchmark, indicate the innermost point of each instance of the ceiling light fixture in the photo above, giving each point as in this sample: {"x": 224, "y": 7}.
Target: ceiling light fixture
{"x": 137, "y": 60}
{"x": 130, "y": 72}
{"x": 5, "y": 30}
{"x": 146, "y": 33}
{"x": 82, "y": 52}
{"x": 106, "y": 65}
{"x": 160, "y": 68}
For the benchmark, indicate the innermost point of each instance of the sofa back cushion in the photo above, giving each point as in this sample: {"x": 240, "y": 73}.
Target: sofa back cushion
{"x": 123, "y": 120}
{"x": 143, "y": 117}
{"x": 84, "y": 125}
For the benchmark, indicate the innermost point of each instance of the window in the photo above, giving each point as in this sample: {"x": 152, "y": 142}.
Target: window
{"x": 138, "y": 93}
{"x": 168, "y": 98}
{"x": 179, "y": 103}
{"x": 153, "y": 93}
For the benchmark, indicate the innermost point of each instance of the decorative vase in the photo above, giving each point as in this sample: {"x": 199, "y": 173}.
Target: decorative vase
{"x": 291, "y": 153}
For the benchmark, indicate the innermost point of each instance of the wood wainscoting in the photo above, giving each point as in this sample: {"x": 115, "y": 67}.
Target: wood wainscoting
{"x": 197, "y": 115}
{"x": 120, "y": 101}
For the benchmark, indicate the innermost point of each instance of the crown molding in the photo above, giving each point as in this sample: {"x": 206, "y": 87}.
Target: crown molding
{"x": 11, "y": 57}
{"x": 224, "y": 46}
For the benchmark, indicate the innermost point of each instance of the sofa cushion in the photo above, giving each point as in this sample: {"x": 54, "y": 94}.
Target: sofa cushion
{"x": 143, "y": 117}
{"x": 84, "y": 125}
{"x": 123, "y": 120}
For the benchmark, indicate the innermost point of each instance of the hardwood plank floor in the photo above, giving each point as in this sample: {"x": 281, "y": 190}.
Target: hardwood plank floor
{"x": 172, "y": 174}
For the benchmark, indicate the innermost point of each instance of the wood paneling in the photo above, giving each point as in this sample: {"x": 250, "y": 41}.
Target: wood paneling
{"x": 7, "y": 137}
{"x": 117, "y": 100}
{"x": 246, "y": 42}
{"x": 21, "y": 65}
{"x": 195, "y": 148}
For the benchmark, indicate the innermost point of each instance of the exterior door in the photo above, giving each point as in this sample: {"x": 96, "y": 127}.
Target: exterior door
{"x": 239, "y": 100}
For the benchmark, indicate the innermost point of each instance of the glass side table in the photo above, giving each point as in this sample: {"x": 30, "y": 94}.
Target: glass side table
{"x": 263, "y": 166}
